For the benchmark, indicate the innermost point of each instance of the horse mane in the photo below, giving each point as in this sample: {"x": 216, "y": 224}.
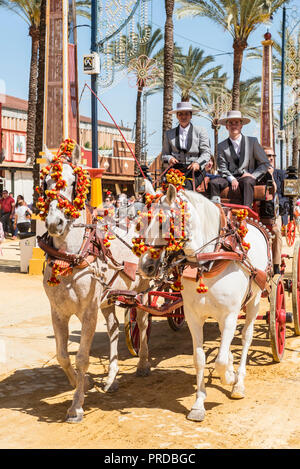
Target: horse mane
{"x": 208, "y": 212}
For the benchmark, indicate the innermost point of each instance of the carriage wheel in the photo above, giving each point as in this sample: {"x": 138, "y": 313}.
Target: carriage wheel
{"x": 176, "y": 323}
{"x": 291, "y": 233}
{"x": 296, "y": 288}
{"x": 132, "y": 332}
{"x": 277, "y": 318}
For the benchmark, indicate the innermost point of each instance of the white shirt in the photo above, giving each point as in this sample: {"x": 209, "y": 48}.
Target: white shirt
{"x": 183, "y": 133}
{"x": 237, "y": 148}
{"x": 237, "y": 144}
{"x": 20, "y": 211}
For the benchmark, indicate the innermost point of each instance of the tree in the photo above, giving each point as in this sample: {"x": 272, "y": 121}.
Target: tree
{"x": 292, "y": 78}
{"x": 217, "y": 100}
{"x": 136, "y": 50}
{"x": 39, "y": 118}
{"x": 192, "y": 75}
{"x": 30, "y": 11}
{"x": 240, "y": 18}
{"x": 168, "y": 66}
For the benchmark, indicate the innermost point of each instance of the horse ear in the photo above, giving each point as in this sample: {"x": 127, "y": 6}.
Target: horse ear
{"x": 171, "y": 194}
{"x": 148, "y": 187}
{"x": 48, "y": 154}
{"x": 76, "y": 155}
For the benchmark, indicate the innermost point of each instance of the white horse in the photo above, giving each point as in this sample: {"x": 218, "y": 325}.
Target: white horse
{"x": 82, "y": 292}
{"x": 226, "y": 292}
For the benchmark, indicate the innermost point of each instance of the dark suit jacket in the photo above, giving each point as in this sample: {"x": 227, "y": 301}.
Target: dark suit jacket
{"x": 252, "y": 159}
{"x": 198, "y": 148}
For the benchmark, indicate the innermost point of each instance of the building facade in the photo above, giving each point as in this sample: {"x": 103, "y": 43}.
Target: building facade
{"x": 16, "y": 172}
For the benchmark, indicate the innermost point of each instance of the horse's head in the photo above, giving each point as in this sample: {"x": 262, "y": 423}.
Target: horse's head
{"x": 62, "y": 193}
{"x": 165, "y": 232}
{"x": 179, "y": 223}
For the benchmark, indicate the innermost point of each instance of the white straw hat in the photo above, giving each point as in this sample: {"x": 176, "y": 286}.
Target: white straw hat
{"x": 184, "y": 106}
{"x": 230, "y": 115}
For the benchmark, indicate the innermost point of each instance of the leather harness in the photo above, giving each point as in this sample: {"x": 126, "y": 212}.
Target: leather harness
{"x": 229, "y": 248}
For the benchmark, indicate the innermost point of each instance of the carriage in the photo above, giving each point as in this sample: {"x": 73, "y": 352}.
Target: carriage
{"x": 80, "y": 270}
{"x": 165, "y": 303}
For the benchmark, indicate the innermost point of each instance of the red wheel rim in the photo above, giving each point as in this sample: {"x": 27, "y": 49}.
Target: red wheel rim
{"x": 280, "y": 318}
{"x": 298, "y": 289}
{"x": 291, "y": 233}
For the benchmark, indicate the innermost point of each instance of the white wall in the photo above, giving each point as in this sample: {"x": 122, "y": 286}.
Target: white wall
{"x": 23, "y": 184}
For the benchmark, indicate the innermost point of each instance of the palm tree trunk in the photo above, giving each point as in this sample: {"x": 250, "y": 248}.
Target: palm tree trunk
{"x": 138, "y": 125}
{"x": 168, "y": 66}
{"x": 238, "y": 47}
{"x": 39, "y": 122}
{"x": 32, "y": 95}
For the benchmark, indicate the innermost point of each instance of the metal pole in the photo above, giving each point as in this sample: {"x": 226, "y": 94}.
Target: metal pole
{"x": 282, "y": 83}
{"x": 94, "y": 103}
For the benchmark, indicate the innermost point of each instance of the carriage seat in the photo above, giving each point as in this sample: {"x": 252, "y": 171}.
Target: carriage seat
{"x": 228, "y": 196}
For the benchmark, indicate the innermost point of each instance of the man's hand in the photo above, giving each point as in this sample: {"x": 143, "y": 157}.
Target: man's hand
{"x": 195, "y": 166}
{"x": 173, "y": 161}
{"x": 234, "y": 184}
{"x": 249, "y": 175}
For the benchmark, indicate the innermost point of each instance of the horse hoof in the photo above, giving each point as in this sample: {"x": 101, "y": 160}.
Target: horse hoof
{"x": 75, "y": 418}
{"x": 237, "y": 392}
{"x": 143, "y": 372}
{"x": 197, "y": 415}
{"x": 111, "y": 387}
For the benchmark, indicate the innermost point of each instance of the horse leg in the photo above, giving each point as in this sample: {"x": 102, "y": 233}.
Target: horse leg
{"x": 61, "y": 332}
{"x": 238, "y": 390}
{"x": 143, "y": 367}
{"x": 113, "y": 333}
{"x": 197, "y": 412}
{"x": 224, "y": 360}
{"x": 89, "y": 321}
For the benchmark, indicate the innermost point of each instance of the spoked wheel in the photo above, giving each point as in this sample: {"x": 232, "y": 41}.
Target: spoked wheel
{"x": 291, "y": 233}
{"x": 296, "y": 287}
{"x": 176, "y": 318}
{"x": 277, "y": 318}
{"x": 176, "y": 322}
{"x": 132, "y": 332}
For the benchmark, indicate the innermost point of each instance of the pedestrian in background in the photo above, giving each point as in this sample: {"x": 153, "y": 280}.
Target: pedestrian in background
{"x": 7, "y": 210}
{"x": 22, "y": 216}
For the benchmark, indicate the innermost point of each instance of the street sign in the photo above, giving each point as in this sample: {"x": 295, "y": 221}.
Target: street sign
{"x": 91, "y": 64}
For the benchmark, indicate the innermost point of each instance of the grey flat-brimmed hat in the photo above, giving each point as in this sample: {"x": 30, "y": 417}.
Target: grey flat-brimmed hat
{"x": 184, "y": 106}
{"x": 230, "y": 115}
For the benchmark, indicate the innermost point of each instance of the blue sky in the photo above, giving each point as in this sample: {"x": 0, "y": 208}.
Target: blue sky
{"x": 15, "y": 47}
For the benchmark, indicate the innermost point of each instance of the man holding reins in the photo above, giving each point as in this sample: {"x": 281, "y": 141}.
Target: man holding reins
{"x": 186, "y": 147}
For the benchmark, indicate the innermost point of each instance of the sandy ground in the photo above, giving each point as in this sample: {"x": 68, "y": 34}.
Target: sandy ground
{"x": 145, "y": 413}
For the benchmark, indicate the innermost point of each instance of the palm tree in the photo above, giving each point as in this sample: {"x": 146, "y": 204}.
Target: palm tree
{"x": 292, "y": 77}
{"x": 30, "y": 11}
{"x": 212, "y": 101}
{"x": 217, "y": 100}
{"x": 192, "y": 75}
{"x": 135, "y": 50}
{"x": 240, "y": 18}
{"x": 39, "y": 120}
{"x": 168, "y": 65}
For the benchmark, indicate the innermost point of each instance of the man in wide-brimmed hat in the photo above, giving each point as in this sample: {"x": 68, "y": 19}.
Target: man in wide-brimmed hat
{"x": 241, "y": 160}
{"x": 186, "y": 147}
